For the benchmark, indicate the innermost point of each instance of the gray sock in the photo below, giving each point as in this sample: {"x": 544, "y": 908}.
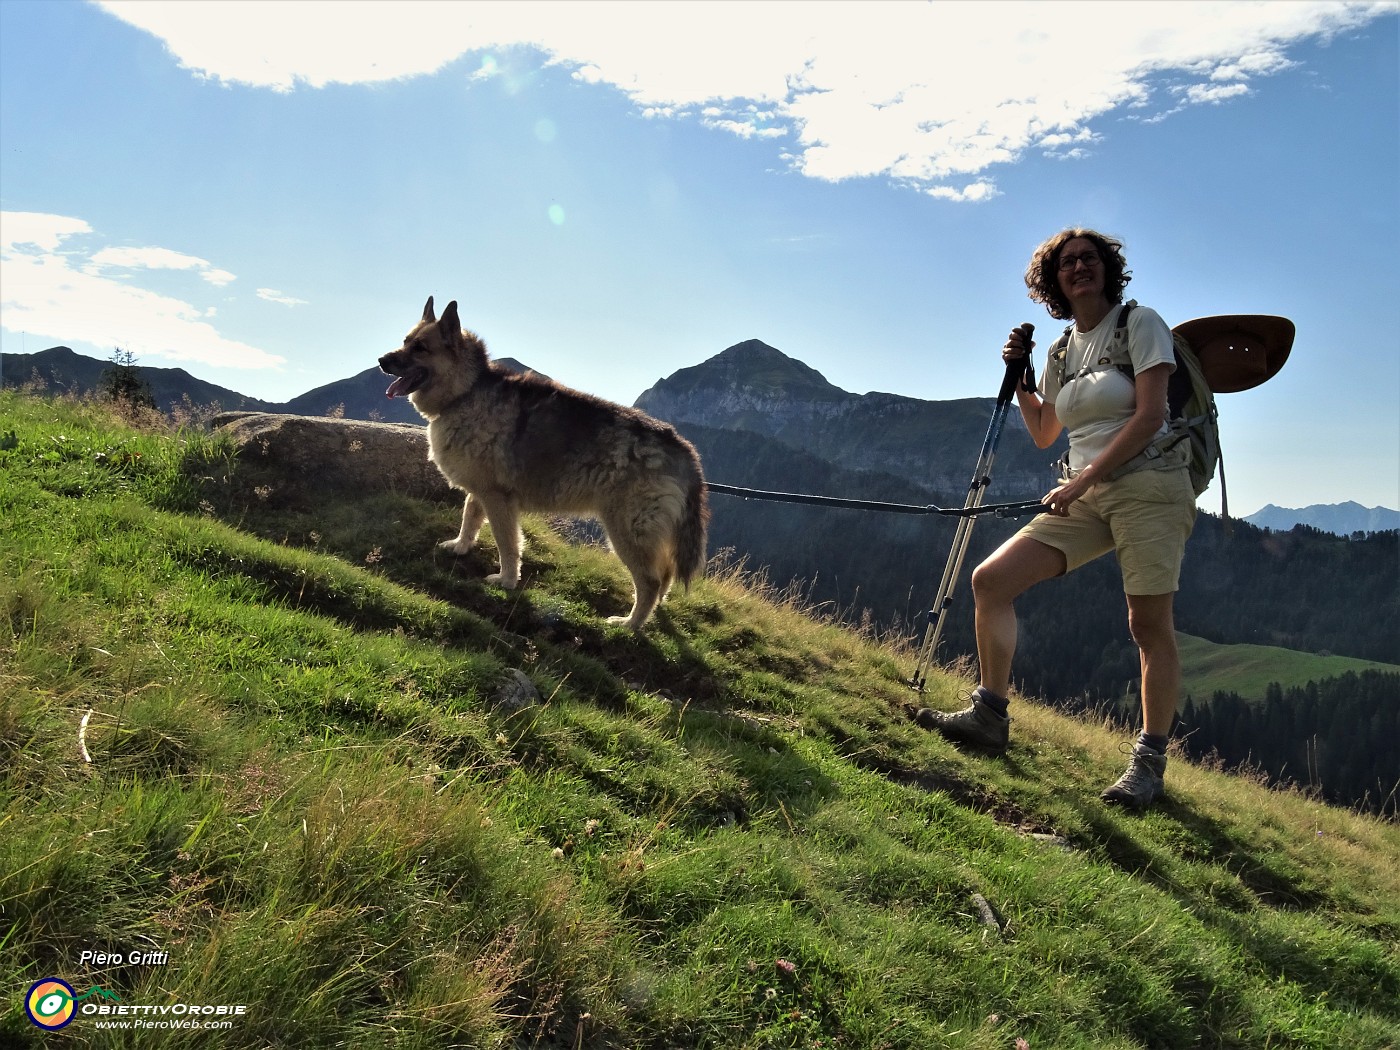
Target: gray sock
{"x": 996, "y": 703}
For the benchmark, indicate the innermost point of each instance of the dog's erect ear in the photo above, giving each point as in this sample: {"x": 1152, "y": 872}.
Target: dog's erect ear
{"x": 450, "y": 324}
{"x": 428, "y": 311}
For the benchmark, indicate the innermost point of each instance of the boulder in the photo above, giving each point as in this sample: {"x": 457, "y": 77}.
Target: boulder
{"x": 516, "y": 693}
{"x": 317, "y": 452}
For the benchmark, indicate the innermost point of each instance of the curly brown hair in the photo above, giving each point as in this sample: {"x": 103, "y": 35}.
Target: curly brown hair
{"x": 1043, "y": 272}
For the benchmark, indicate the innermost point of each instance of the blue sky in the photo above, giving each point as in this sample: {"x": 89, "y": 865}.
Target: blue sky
{"x": 265, "y": 193}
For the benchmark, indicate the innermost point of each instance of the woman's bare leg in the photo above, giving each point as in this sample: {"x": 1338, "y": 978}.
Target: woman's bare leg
{"x": 1013, "y": 568}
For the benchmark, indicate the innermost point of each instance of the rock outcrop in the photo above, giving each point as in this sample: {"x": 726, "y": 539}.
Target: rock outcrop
{"x": 317, "y": 452}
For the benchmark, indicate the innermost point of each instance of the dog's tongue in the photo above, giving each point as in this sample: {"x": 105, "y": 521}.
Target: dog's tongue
{"x": 397, "y": 388}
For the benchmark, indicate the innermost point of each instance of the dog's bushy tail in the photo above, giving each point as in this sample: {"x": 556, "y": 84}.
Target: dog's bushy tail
{"x": 690, "y": 530}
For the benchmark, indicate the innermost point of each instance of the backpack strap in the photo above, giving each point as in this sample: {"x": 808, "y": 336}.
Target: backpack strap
{"x": 1055, "y": 357}
{"x": 1193, "y": 437}
{"x": 1172, "y": 449}
{"x": 1118, "y": 356}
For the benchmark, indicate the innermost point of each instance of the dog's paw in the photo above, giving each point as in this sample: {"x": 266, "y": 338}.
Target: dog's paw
{"x": 624, "y": 621}
{"x": 457, "y": 546}
{"x": 498, "y": 580}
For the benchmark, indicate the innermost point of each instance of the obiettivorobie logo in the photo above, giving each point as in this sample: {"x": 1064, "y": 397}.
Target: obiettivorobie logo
{"x": 52, "y": 1004}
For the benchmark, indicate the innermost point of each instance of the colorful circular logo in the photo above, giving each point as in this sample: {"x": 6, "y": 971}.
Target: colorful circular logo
{"x": 50, "y": 1003}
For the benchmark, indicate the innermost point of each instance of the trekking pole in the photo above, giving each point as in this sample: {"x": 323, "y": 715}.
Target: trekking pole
{"x": 976, "y": 492}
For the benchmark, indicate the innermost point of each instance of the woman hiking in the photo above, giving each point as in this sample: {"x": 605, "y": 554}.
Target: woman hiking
{"x": 1111, "y": 396}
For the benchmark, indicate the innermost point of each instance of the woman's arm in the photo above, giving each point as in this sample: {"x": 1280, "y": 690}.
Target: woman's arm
{"x": 1041, "y": 421}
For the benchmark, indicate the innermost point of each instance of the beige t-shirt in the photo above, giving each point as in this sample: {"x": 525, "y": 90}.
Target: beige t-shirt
{"x": 1099, "y": 403}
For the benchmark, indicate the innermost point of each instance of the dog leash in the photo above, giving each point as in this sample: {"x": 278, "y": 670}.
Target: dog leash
{"x": 1001, "y": 510}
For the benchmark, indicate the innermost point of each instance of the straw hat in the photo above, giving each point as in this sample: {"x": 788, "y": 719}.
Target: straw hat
{"x": 1238, "y": 351}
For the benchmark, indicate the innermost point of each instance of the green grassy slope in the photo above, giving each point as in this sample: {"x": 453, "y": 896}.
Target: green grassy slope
{"x": 262, "y": 733}
{"x": 1207, "y": 668}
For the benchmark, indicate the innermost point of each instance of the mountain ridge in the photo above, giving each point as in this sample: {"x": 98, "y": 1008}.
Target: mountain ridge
{"x": 63, "y": 370}
{"x": 750, "y": 385}
{"x": 755, "y": 387}
{"x": 1341, "y": 519}
{"x": 360, "y": 396}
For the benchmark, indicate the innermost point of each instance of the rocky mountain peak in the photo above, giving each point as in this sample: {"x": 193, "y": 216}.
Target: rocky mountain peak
{"x": 751, "y": 371}
{"x": 752, "y": 386}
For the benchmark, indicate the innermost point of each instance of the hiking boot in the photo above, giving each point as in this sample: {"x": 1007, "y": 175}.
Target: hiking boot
{"x": 1142, "y": 784}
{"x": 977, "y": 726}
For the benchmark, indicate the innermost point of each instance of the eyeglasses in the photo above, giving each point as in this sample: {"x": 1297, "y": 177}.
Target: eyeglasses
{"x": 1089, "y": 258}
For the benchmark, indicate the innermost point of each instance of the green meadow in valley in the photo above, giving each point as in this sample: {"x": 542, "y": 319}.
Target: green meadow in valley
{"x": 273, "y": 737}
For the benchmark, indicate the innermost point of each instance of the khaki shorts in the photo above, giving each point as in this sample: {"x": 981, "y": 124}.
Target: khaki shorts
{"x": 1145, "y": 516}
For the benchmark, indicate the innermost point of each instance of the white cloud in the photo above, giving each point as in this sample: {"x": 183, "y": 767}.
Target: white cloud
{"x": 1262, "y": 63}
{"x": 157, "y": 259}
{"x": 744, "y": 129}
{"x": 976, "y": 191}
{"x": 1056, "y": 143}
{"x": 926, "y": 94}
{"x": 283, "y": 45}
{"x": 28, "y": 229}
{"x": 272, "y": 295}
{"x": 1198, "y": 94}
{"x": 52, "y": 285}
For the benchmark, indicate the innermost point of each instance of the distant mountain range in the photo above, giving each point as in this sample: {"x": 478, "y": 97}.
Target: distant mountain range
{"x": 750, "y": 387}
{"x": 61, "y": 370}
{"x": 359, "y": 397}
{"x": 1342, "y": 519}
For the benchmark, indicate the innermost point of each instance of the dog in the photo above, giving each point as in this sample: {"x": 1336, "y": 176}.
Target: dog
{"x": 520, "y": 442}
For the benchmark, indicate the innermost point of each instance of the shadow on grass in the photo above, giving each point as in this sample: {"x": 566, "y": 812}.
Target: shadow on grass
{"x": 554, "y": 625}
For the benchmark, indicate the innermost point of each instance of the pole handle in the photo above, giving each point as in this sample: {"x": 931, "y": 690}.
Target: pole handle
{"x": 1017, "y": 368}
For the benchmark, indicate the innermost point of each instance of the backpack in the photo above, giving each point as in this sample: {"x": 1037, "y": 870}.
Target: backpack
{"x": 1193, "y": 429}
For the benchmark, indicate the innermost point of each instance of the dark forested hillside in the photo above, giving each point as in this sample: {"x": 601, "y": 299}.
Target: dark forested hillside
{"x": 1337, "y": 736}
{"x": 1303, "y": 589}
{"x": 885, "y": 566}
